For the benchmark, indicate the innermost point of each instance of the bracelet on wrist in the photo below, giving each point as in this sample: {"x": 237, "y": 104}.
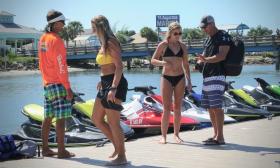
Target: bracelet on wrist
{"x": 113, "y": 88}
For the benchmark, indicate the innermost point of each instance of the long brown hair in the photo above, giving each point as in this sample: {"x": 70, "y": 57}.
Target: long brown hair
{"x": 104, "y": 31}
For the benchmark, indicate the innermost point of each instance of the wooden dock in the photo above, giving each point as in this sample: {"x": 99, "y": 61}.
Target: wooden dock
{"x": 251, "y": 144}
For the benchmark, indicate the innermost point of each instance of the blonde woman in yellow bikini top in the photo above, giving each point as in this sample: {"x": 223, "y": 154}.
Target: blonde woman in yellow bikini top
{"x": 112, "y": 89}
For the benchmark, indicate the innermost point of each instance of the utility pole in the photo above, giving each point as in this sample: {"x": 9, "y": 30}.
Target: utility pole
{"x": 5, "y": 57}
{"x": 158, "y": 29}
{"x": 277, "y": 66}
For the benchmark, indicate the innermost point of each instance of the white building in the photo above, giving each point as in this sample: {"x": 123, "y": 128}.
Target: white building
{"x": 16, "y": 35}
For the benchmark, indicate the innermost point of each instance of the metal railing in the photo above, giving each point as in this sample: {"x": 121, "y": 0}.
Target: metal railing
{"x": 151, "y": 46}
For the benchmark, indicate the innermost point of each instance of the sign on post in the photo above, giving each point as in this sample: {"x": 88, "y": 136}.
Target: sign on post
{"x": 165, "y": 20}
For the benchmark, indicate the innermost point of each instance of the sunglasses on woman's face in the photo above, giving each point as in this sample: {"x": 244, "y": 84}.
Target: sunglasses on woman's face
{"x": 176, "y": 33}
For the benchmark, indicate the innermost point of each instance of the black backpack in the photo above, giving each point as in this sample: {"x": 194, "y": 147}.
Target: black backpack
{"x": 234, "y": 61}
{"x": 8, "y": 147}
{"x": 10, "y": 150}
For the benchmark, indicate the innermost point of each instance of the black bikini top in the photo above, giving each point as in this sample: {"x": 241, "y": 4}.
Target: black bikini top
{"x": 169, "y": 53}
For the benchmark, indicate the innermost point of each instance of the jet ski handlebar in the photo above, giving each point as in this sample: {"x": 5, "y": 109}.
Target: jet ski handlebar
{"x": 78, "y": 94}
{"x": 228, "y": 85}
{"x": 77, "y": 97}
{"x": 144, "y": 89}
{"x": 231, "y": 82}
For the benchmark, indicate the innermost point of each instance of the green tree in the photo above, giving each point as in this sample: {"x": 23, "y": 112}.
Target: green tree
{"x": 259, "y": 31}
{"x": 131, "y": 32}
{"x": 74, "y": 28}
{"x": 149, "y": 34}
{"x": 64, "y": 35}
{"x": 71, "y": 31}
{"x": 193, "y": 33}
{"x": 277, "y": 32}
{"x": 124, "y": 34}
{"x": 122, "y": 38}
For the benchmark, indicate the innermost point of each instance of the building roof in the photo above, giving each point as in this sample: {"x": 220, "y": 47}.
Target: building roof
{"x": 87, "y": 32}
{"x": 137, "y": 38}
{"x": 85, "y": 37}
{"x": 233, "y": 27}
{"x": 16, "y": 28}
{"x": 4, "y": 13}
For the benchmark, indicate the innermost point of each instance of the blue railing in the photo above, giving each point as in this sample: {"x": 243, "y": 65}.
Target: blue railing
{"x": 252, "y": 44}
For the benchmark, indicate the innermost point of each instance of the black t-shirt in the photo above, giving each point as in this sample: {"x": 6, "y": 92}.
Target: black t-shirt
{"x": 211, "y": 47}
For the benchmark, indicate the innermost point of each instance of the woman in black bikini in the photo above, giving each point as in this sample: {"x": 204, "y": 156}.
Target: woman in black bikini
{"x": 174, "y": 74}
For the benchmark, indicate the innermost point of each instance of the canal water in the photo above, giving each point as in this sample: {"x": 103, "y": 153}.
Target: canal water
{"x": 17, "y": 91}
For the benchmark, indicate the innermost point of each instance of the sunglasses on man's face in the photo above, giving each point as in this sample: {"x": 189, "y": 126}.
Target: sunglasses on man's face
{"x": 62, "y": 21}
{"x": 204, "y": 27}
{"x": 177, "y": 34}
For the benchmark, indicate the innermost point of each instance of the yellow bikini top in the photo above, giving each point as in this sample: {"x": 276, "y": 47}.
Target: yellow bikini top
{"x": 102, "y": 59}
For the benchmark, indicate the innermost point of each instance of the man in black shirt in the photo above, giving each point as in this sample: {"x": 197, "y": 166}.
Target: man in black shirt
{"x": 215, "y": 51}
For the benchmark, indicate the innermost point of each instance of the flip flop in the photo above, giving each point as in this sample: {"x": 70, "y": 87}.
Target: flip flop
{"x": 66, "y": 155}
{"x": 207, "y": 140}
{"x": 49, "y": 154}
{"x": 214, "y": 142}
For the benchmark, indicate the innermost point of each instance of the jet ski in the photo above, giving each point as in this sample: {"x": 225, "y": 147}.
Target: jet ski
{"x": 240, "y": 111}
{"x": 259, "y": 95}
{"x": 273, "y": 90}
{"x": 144, "y": 112}
{"x": 189, "y": 109}
{"x": 76, "y": 133}
{"x": 251, "y": 99}
{"x": 231, "y": 107}
{"x": 82, "y": 110}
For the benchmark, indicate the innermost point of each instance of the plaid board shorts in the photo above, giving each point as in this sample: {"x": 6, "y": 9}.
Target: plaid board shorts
{"x": 55, "y": 102}
{"x": 212, "y": 92}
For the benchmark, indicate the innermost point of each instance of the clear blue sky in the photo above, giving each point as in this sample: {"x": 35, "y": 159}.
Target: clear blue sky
{"x": 137, "y": 14}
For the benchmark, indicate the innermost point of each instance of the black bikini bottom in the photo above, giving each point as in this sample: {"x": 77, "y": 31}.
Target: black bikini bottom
{"x": 106, "y": 82}
{"x": 174, "y": 80}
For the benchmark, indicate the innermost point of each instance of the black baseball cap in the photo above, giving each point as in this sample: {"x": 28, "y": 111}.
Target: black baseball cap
{"x": 206, "y": 20}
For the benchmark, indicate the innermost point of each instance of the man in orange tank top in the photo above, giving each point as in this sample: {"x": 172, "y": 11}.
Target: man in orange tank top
{"x": 57, "y": 90}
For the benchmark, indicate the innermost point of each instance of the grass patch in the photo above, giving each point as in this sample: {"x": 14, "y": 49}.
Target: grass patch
{"x": 19, "y": 59}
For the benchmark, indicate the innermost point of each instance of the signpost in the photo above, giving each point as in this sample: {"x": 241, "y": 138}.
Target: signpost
{"x": 165, "y": 20}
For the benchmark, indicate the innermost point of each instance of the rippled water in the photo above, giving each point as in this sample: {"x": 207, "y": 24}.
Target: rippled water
{"x": 17, "y": 91}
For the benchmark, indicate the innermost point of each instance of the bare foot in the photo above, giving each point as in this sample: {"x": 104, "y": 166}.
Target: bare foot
{"x": 178, "y": 139}
{"x": 48, "y": 153}
{"x": 120, "y": 160}
{"x": 162, "y": 140}
{"x": 113, "y": 154}
{"x": 65, "y": 154}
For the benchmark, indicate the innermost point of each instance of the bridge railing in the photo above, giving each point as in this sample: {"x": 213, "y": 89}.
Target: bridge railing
{"x": 261, "y": 40}
{"x": 195, "y": 43}
{"x": 139, "y": 47}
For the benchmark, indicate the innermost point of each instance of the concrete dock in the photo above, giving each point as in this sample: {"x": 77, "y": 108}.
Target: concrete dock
{"x": 251, "y": 144}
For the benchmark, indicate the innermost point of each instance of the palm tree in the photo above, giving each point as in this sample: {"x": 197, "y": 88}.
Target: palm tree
{"x": 71, "y": 31}
{"x": 194, "y": 33}
{"x": 74, "y": 28}
{"x": 64, "y": 35}
{"x": 149, "y": 34}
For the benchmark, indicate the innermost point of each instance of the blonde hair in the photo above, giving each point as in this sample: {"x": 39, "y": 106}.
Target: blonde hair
{"x": 172, "y": 26}
{"x": 104, "y": 31}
